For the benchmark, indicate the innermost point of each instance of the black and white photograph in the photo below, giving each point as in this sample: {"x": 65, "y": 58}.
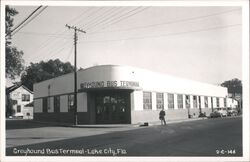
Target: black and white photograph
{"x": 124, "y": 81}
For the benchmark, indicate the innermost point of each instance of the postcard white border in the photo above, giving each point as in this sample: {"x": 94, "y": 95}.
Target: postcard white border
{"x": 245, "y": 79}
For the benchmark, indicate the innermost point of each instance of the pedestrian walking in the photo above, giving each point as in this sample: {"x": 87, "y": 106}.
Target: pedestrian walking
{"x": 162, "y": 117}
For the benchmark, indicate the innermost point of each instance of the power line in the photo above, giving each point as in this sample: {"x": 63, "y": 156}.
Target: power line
{"x": 89, "y": 15}
{"x": 25, "y": 19}
{"x": 120, "y": 18}
{"x": 75, "y": 18}
{"x": 97, "y": 15}
{"x": 48, "y": 41}
{"x": 69, "y": 54}
{"x": 113, "y": 13}
{"x": 165, "y": 23}
{"x": 45, "y": 34}
{"x": 24, "y": 23}
{"x": 163, "y": 35}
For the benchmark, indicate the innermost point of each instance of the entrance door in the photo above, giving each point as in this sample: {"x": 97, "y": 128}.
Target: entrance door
{"x": 112, "y": 108}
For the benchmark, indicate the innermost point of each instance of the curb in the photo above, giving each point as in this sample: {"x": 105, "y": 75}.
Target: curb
{"x": 139, "y": 125}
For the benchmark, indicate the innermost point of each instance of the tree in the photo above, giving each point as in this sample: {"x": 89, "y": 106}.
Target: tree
{"x": 14, "y": 61}
{"x": 41, "y": 71}
{"x": 234, "y": 86}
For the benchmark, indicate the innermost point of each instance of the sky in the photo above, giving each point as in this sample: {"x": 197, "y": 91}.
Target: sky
{"x": 198, "y": 43}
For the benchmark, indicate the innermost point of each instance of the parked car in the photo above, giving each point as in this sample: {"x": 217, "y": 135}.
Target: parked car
{"x": 232, "y": 111}
{"x": 215, "y": 114}
{"x": 222, "y": 111}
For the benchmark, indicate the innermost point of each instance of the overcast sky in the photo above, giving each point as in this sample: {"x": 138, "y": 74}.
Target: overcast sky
{"x": 198, "y": 43}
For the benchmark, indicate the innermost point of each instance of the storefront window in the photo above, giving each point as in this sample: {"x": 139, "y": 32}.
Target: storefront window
{"x": 187, "y": 101}
{"x": 217, "y": 102}
{"x": 45, "y": 104}
{"x": 159, "y": 101}
{"x": 71, "y": 103}
{"x": 212, "y": 102}
{"x": 171, "y": 101}
{"x": 111, "y": 107}
{"x": 180, "y": 101}
{"x": 206, "y": 101}
{"x": 225, "y": 102}
{"x": 195, "y": 101}
{"x": 57, "y": 104}
{"x": 199, "y": 101}
{"x": 147, "y": 100}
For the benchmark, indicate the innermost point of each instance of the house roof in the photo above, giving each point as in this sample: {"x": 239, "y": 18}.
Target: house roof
{"x": 16, "y": 86}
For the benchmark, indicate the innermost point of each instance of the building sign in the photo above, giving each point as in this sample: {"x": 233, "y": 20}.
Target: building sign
{"x": 102, "y": 84}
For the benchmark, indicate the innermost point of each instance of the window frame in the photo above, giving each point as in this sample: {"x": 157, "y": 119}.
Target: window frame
{"x": 147, "y": 96}
{"x": 71, "y": 100}
{"x": 206, "y": 101}
{"x": 45, "y": 104}
{"x": 225, "y": 102}
{"x": 187, "y": 104}
{"x": 217, "y": 102}
{"x": 180, "y": 101}
{"x": 195, "y": 103}
{"x": 56, "y": 103}
{"x": 25, "y": 97}
{"x": 159, "y": 101}
{"x": 170, "y": 101}
{"x": 18, "y": 109}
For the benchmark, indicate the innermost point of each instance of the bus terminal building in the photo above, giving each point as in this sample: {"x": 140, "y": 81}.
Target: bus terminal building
{"x": 115, "y": 94}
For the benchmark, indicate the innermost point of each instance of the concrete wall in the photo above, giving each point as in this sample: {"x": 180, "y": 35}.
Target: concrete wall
{"x": 152, "y": 116}
{"x": 38, "y": 105}
{"x": 148, "y": 81}
{"x": 68, "y": 117}
{"x": 81, "y": 102}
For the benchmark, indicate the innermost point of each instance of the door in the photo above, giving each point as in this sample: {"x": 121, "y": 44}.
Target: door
{"x": 112, "y": 108}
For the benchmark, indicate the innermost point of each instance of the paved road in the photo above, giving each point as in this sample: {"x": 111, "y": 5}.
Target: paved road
{"x": 211, "y": 137}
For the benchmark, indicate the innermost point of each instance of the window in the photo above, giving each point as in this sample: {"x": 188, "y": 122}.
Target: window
{"x": 199, "y": 101}
{"x": 18, "y": 109}
{"x": 187, "y": 101}
{"x": 225, "y": 102}
{"x": 159, "y": 101}
{"x": 56, "y": 103}
{"x": 206, "y": 101}
{"x": 171, "y": 101}
{"x": 217, "y": 102}
{"x": 180, "y": 101}
{"x": 14, "y": 102}
{"x": 147, "y": 100}
{"x": 212, "y": 102}
{"x": 45, "y": 104}
{"x": 195, "y": 101}
{"x": 71, "y": 103}
{"x": 25, "y": 97}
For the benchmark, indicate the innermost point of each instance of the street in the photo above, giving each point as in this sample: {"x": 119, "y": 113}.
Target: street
{"x": 208, "y": 137}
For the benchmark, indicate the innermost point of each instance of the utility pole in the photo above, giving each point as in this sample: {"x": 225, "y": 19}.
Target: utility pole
{"x": 75, "y": 70}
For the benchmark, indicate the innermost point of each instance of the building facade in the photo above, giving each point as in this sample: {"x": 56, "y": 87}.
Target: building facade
{"x": 114, "y": 94}
{"x": 17, "y": 97}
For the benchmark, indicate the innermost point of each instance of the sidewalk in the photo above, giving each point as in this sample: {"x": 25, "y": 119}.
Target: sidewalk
{"x": 119, "y": 125}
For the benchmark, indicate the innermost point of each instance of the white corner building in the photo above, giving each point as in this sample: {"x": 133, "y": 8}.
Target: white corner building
{"x": 115, "y": 94}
